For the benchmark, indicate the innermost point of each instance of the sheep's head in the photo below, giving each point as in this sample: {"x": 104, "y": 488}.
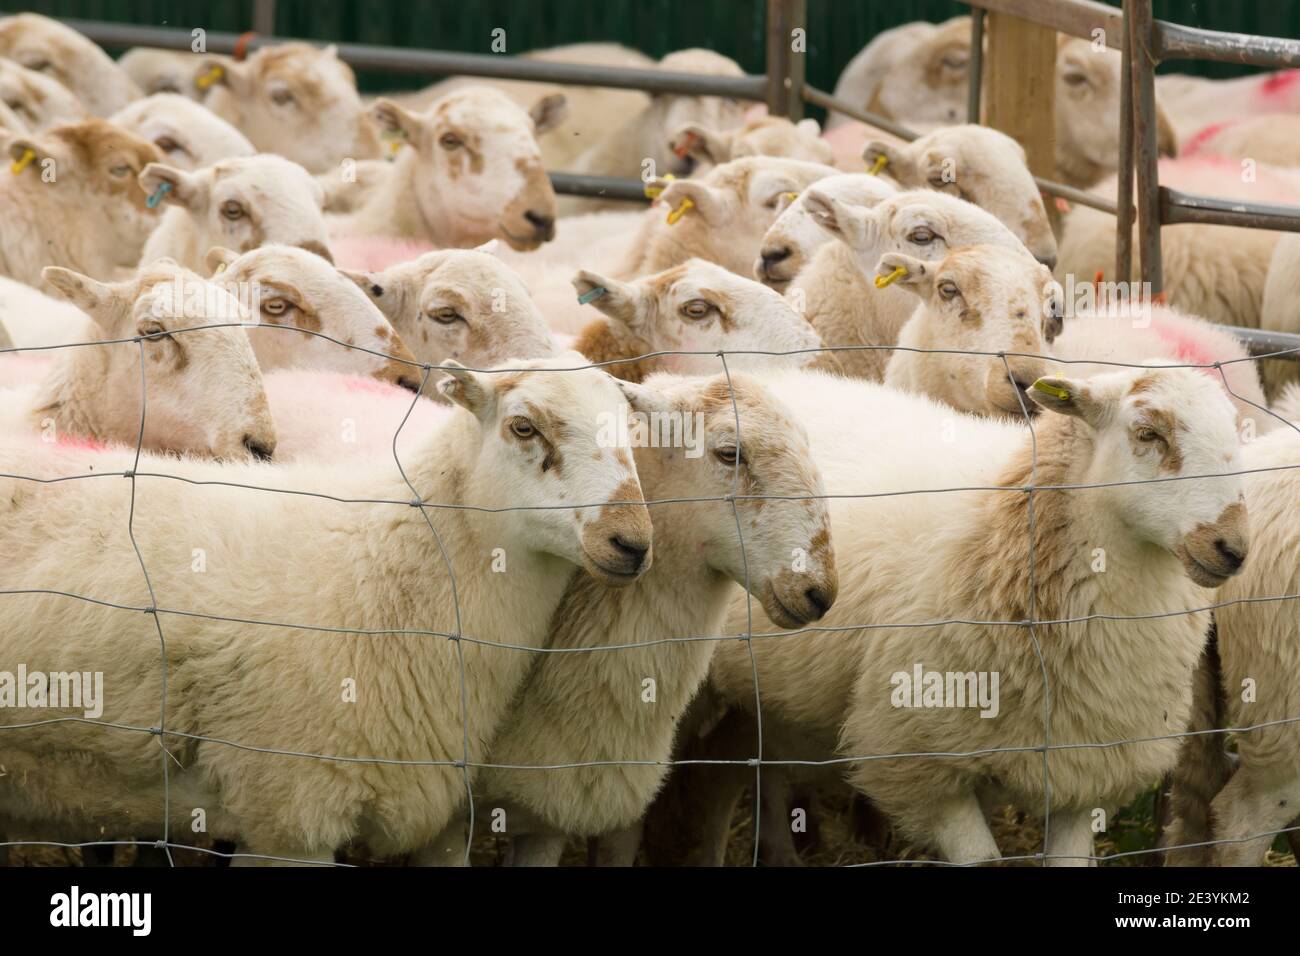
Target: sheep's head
{"x": 927, "y": 82}
{"x": 786, "y": 559}
{"x": 38, "y": 101}
{"x": 203, "y": 387}
{"x": 477, "y": 167}
{"x": 766, "y": 136}
{"x": 980, "y": 165}
{"x": 460, "y": 304}
{"x": 310, "y": 315}
{"x": 1149, "y": 425}
{"x": 93, "y": 165}
{"x": 732, "y": 207}
{"x": 245, "y": 203}
{"x": 293, "y": 99}
{"x": 63, "y": 54}
{"x": 701, "y": 307}
{"x": 548, "y": 439}
{"x": 672, "y": 111}
{"x": 978, "y": 301}
{"x": 1088, "y": 84}
{"x": 789, "y": 244}
{"x": 188, "y": 135}
{"x": 163, "y": 71}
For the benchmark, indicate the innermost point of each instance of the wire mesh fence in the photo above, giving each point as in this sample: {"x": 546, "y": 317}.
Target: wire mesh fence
{"x": 143, "y": 467}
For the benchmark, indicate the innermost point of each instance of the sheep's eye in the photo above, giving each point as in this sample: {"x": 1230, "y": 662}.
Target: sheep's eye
{"x": 446, "y": 316}
{"x": 120, "y": 171}
{"x": 949, "y": 290}
{"x": 955, "y": 62}
{"x": 522, "y": 428}
{"x": 167, "y": 144}
{"x": 697, "y": 309}
{"x": 1075, "y": 79}
{"x": 450, "y": 141}
{"x": 232, "y": 210}
{"x": 276, "y": 306}
{"x": 281, "y": 97}
{"x": 154, "y": 331}
{"x": 37, "y": 64}
{"x": 937, "y": 182}
{"x": 1149, "y": 435}
{"x": 920, "y": 236}
{"x": 727, "y": 455}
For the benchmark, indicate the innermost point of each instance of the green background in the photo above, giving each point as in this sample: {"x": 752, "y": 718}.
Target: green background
{"x": 837, "y": 29}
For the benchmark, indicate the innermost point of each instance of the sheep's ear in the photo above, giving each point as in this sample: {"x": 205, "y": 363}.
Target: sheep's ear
{"x": 618, "y": 300}
{"x": 219, "y": 259}
{"x": 18, "y": 148}
{"x": 709, "y": 203}
{"x": 1068, "y": 396}
{"x": 809, "y": 127}
{"x": 896, "y": 163}
{"x": 181, "y": 188}
{"x": 851, "y": 223}
{"x": 468, "y": 389}
{"x": 492, "y": 248}
{"x": 367, "y": 282}
{"x": 393, "y": 118}
{"x": 89, "y": 295}
{"x": 643, "y": 399}
{"x": 211, "y": 72}
{"x": 702, "y": 143}
{"x": 915, "y": 276}
{"x": 549, "y": 112}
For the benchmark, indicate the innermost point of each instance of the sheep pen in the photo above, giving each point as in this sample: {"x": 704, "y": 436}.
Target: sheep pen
{"x": 385, "y": 482}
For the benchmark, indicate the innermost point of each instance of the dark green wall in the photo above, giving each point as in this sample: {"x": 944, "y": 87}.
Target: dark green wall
{"x": 837, "y": 29}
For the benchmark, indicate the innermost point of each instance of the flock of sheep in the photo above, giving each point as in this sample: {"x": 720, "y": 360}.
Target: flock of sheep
{"x": 305, "y": 451}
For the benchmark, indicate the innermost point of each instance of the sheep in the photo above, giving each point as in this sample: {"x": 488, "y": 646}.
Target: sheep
{"x": 241, "y": 203}
{"x": 157, "y": 71}
{"x": 1278, "y": 311}
{"x": 834, "y": 291}
{"x": 964, "y": 556}
{"x": 293, "y": 99}
{"x": 310, "y": 315}
{"x": 698, "y": 553}
{"x": 32, "y": 318}
{"x": 1243, "y": 801}
{"x": 56, "y": 177}
{"x": 977, "y": 164}
{"x": 765, "y": 136}
{"x": 63, "y": 54}
{"x": 35, "y": 100}
{"x": 696, "y": 307}
{"x": 721, "y": 216}
{"x": 1266, "y": 139}
{"x": 203, "y": 388}
{"x": 524, "y": 438}
{"x": 1194, "y": 102}
{"x": 189, "y": 136}
{"x": 10, "y": 121}
{"x": 1215, "y": 272}
{"x": 461, "y": 304}
{"x": 471, "y": 171}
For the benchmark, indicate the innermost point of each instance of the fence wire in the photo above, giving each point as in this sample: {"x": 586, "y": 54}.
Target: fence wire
{"x": 459, "y": 637}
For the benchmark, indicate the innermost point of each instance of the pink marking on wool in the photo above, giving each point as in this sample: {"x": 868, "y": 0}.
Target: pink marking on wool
{"x": 1277, "y": 85}
{"x": 375, "y": 253}
{"x": 81, "y": 443}
{"x": 355, "y": 383}
{"x": 1187, "y": 347}
{"x": 1203, "y": 136}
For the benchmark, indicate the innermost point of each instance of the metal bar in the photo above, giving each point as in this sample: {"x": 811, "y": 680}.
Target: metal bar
{"x": 1142, "y": 66}
{"x": 1124, "y": 211}
{"x": 1078, "y": 18}
{"x": 976, "y": 72}
{"x": 779, "y": 55}
{"x": 1178, "y": 206}
{"x": 441, "y": 63}
{"x": 823, "y": 99}
{"x": 1173, "y": 41}
{"x": 798, "y": 58}
{"x": 604, "y": 187}
{"x": 1262, "y": 342}
{"x": 1080, "y": 196}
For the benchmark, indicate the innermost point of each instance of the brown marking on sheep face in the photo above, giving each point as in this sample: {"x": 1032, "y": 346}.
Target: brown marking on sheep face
{"x": 1164, "y": 423}
{"x": 934, "y": 68}
{"x": 99, "y": 146}
{"x": 724, "y": 305}
{"x": 290, "y": 64}
{"x": 599, "y": 343}
{"x": 1201, "y": 552}
{"x": 382, "y": 332}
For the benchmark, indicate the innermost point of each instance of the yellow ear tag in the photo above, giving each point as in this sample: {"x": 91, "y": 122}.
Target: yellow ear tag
{"x": 394, "y": 139}
{"x": 675, "y": 216}
{"x": 23, "y": 161}
{"x": 1054, "y": 390}
{"x": 898, "y": 273}
{"x": 210, "y": 77}
{"x": 792, "y": 196}
{"x": 881, "y": 162}
{"x": 653, "y": 192}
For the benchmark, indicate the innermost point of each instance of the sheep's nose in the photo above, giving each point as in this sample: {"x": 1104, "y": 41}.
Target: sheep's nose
{"x": 543, "y": 224}
{"x": 1233, "y": 557}
{"x": 771, "y": 257}
{"x": 633, "y": 551}
{"x": 820, "y": 601}
{"x": 1031, "y": 408}
{"x": 259, "y": 450}
{"x": 1049, "y": 261}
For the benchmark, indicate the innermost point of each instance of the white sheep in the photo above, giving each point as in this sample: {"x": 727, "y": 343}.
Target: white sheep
{"x": 1270, "y": 138}
{"x": 1278, "y": 310}
{"x": 56, "y": 177}
{"x": 1196, "y": 102}
{"x": 967, "y": 556}
{"x": 63, "y": 54}
{"x": 590, "y": 707}
{"x": 384, "y": 770}
{"x": 238, "y": 203}
{"x": 764, "y": 136}
{"x": 203, "y": 389}
{"x": 188, "y": 136}
{"x": 293, "y": 99}
{"x": 157, "y": 71}
{"x": 469, "y": 170}
{"x": 36, "y": 100}
{"x": 309, "y": 315}
{"x": 32, "y": 318}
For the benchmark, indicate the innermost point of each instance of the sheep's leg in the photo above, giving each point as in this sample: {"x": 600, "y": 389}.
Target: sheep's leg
{"x": 961, "y": 833}
{"x": 1069, "y": 840}
{"x": 1244, "y": 809}
{"x": 537, "y": 849}
{"x": 620, "y": 847}
{"x": 448, "y": 849}
{"x": 775, "y": 836}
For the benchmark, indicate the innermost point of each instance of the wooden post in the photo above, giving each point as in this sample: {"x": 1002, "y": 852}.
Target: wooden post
{"x": 785, "y": 68}
{"x": 1019, "y": 94}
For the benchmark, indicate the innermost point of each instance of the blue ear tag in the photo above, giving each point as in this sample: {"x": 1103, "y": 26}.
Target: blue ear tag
{"x": 592, "y": 295}
{"x": 163, "y": 189}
